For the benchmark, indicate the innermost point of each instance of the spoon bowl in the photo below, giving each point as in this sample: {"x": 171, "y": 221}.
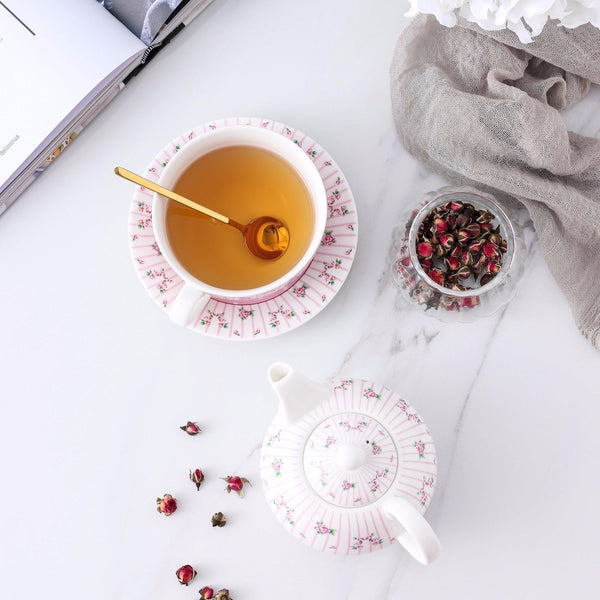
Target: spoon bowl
{"x": 266, "y": 237}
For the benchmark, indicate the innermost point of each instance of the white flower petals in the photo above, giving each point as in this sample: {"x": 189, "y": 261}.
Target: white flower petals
{"x": 525, "y": 17}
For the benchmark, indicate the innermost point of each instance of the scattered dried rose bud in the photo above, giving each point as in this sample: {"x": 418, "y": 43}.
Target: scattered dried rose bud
{"x": 218, "y": 520}
{"x": 486, "y": 278}
{"x": 452, "y": 263}
{"x": 425, "y": 250}
{"x": 235, "y": 484}
{"x": 464, "y": 272}
{"x": 223, "y": 595}
{"x": 436, "y": 275}
{"x": 185, "y": 574}
{"x": 462, "y": 220}
{"x": 197, "y": 476}
{"x": 207, "y": 593}
{"x": 466, "y": 258}
{"x": 491, "y": 250}
{"x": 191, "y": 428}
{"x": 166, "y": 505}
{"x": 447, "y": 241}
{"x": 455, "y": 252}
{"x": 473, "y": 229}
{"x": 493, "y": 267}
{"x": 440, "y": 225}
{"x": 463, "y": 237}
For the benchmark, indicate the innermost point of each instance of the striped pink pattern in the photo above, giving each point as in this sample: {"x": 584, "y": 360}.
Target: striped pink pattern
{"x": 335, "y": 510}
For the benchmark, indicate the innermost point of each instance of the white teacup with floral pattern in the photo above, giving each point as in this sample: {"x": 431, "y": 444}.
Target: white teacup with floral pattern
{"x": 195, "y": 294}
{"x": 349, "y": 467}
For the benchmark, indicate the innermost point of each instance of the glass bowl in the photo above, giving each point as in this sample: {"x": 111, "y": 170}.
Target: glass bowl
{"x": 459, "y": 255}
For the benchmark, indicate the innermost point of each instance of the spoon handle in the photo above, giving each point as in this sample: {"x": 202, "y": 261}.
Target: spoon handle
{"x": 159, "y": 189}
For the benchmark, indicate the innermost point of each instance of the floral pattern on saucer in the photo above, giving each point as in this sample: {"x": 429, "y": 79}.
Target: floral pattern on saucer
{"x": 297, "y": 305}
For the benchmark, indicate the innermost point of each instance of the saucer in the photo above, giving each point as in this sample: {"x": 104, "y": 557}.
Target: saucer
{"x": 287, "y": 311}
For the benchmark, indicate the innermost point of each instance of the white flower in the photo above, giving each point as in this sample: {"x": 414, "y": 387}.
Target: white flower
{"x": 525, "y": 17}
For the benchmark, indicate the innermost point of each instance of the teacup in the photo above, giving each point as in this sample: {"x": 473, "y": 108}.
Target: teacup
{"x": 216, "y": 146}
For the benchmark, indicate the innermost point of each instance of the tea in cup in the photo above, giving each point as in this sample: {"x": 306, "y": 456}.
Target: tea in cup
{"x": 242, "y": 172}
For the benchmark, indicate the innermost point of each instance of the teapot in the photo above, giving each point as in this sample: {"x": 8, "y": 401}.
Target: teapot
{"x": 348, "y": 467}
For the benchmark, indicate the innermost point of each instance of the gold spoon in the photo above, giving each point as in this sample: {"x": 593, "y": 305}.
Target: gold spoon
{"x": 265, "y": 237}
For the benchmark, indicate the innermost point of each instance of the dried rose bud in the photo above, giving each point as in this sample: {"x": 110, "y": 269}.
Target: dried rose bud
{"x": 197, "y": 476}
{"x": 185, "y": 574}
{"x": 438, "y": 251}
{"x": 452, "y": 263}
{"x": 425, "y": 249}
{"x": 436, "y": 275}
{"x": 466, "y": 258}
{"x": 166, "y": 505}
{"x": 493, "y": 267}
{"x": 191, "y": 428}
{"x": 495, "y": 238}
{"x": 457, "y": 206}
{"x": 440, "y": 225}
{"x": 455, "y": 252}
{"x": 486, "y": 228}
{"x": 463, "y": 237}
{"x": 426, "y": 263}
{"x": 474, "y": 229}
{"x": 464, "y": 272}
{"x": 218, "y": 520}
{"x": 235, "y": 484}
{"x": 491, "y": 250}
{"x": 223, "y": 595}
{"x": 462, "y": 220}
{"x": 486, "y": 278}
{"x": 485, "y": 217}
{"x": 447, "y": 240}
{"x": 475, "y": 247}
{"x": 207, "y": 593}
{"x": 503, "y": 246}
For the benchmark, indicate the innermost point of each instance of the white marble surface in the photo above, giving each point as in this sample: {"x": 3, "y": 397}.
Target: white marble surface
{"x": 96, "y": 381}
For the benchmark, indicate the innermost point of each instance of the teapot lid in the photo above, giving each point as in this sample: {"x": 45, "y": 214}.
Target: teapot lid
{"x": 350, "y": 459}
{"x": 324, "y": 475}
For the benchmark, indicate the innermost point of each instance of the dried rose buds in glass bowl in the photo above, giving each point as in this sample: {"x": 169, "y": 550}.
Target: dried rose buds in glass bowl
{"x": 459, "y": 256}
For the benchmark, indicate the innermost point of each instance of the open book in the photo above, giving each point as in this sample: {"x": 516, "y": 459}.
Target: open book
{"x": 62, "y": 63}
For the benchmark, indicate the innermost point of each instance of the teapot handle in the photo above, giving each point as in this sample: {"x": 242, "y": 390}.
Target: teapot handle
{"x": 417, "y": 536}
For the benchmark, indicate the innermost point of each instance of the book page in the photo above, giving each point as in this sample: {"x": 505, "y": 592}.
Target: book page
{"x": 52, "y": 55}
{"x": 144, "y": 18}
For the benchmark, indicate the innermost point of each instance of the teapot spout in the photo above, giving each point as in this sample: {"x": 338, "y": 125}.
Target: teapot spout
{"x": 297, "y": 394}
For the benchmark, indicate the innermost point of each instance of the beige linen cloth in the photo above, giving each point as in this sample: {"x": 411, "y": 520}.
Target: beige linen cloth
{"x": 483, "y": 109}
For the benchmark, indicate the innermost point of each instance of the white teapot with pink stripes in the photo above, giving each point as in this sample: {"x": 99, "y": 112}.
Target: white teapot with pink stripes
{"x": 348, "y": 467}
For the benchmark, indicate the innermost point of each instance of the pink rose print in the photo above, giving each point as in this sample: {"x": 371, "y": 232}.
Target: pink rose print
{"x": 323, "y": 529}
{"x": 276, "y": 464}
{"x": 300, "y": 291}
{"x": 359, "y": 542}
{"x": 420, "y": 446}
{"x": 370, "y": 393}
{"x": 348, "y": 485}
{"x": 330, "y": 441}
{"x": 328, "y": 238}
{"x": 244, "y": 313}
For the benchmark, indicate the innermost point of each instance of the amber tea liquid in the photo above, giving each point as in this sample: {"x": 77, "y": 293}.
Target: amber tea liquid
{"x": 241, "y": 182}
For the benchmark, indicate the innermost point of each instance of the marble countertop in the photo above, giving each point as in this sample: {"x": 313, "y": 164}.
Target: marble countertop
{"x": 96, "y": 380}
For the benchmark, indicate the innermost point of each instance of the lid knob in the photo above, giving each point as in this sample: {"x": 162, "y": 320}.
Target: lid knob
{"x": 350, "y": 457}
